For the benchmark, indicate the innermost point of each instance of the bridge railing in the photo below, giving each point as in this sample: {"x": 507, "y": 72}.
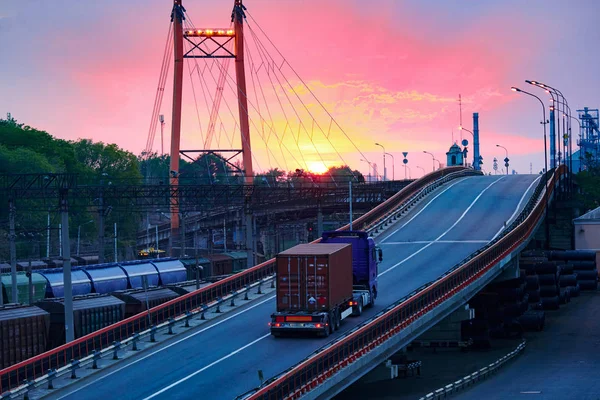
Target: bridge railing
{"x": 53, "y": 359}
{"x": 327, "y": 361}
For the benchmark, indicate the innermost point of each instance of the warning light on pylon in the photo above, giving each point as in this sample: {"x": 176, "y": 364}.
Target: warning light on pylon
{"x": 209, "y": 32}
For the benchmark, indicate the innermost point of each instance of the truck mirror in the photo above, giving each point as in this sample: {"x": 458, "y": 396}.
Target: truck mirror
{"x": 380, "y": 253}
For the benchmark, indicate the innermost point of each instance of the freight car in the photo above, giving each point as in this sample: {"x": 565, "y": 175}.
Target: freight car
{"x": 135, "y": 270}
{"x": 221, "y": 264}
{"x": 137, "y": 301}
{"x": 192, "y": 271}
{"x": 107, "y": 278}
{"x": 81, "y": 282}
{"x": 38, "y": 286}
{"x": 23, "y": 333}
{"x": 170, "y": 270}
{"x": 90, "y": 313}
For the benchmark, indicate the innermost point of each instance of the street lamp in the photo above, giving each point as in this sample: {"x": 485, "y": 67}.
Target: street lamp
{"x": 544, "y": 122}
{"x": 393, "y": 166}
{"x": 421, "y": 168}
{"x": 506, "y": 159}
{"x": 432, "y": 156}
{"x": 79, "y": 234}
{"x": 409, "y": 171}
{"x": 370, "y": 168}
{"x": 384, "y": 172}
{"x": 567, "y": 147}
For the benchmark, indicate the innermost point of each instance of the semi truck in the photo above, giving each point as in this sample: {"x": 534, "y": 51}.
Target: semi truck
{"x": 321, "y": 284}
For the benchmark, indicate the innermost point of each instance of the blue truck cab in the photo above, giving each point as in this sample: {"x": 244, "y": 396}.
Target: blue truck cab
{"x": 365, "y": 259}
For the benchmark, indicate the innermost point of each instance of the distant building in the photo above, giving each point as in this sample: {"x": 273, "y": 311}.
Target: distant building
{"x": 455, "y": 156}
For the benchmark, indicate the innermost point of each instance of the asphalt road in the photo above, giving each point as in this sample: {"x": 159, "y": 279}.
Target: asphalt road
{"x": 223, "y": 361}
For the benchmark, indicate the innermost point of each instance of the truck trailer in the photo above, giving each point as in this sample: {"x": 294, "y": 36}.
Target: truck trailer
{"x": 321, "y": 284}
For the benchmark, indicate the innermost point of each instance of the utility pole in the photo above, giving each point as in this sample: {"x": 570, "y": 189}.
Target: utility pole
{"x": 13, "y": 250}
{"x": 66, "y": 251}
{"x": 350, "y": 201}
{"x": 48, "y": 236}
{"x": 116, "y": 242}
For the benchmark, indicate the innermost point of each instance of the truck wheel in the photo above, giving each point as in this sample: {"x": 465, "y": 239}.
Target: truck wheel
{"x": 359, "y": 308}
{"x": 372, "y": 300}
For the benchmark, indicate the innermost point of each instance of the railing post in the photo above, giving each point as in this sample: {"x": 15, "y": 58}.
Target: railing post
{"x": 218, "y": 310}
{"x": 134, "y": 340}
{"x": 153, "y": 334}
{"x": 233, "y": 294}
{"x": 117, "y": 346}
{"x": 246, "y": 293}
{"x": 95, "y": 358}
{"x": 51, "y": 375}
{"x": 171, "y": 323}
{"x": 188, "y": 316}
{"x": 74, "y": 366}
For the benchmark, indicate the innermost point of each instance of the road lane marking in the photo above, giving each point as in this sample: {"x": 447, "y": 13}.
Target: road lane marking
{"x": 448, "y": 230}
{"x": 439, "y": 241}
{"x": 514, "y": 214}
{"x": 166, "y": 347}
{"x": 172, "y": 385}
{"x": 420, "y": 211}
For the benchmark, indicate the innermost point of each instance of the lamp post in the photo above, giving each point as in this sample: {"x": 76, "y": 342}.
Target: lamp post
{"x": 421, "y": 168}
{"x": 370, "y": 168}
{"x": 79, "y": 234}
{"x": 544, "y": 122}
{"x": 384, "y": 171}
{"x": 578, "y": 123}
{"x": 433, "y": 157}
{"x": 506, "y": 159}
{"x": 393, "y": 166}
{"x": 475, "y": 161}
{"x": 567, "y": 146}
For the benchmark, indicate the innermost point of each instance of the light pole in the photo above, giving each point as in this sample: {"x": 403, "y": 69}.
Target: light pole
{"x": 393, "y": 166}
{"x": 79, "y": 234}
{"x": 370, "y": 168}
{"x": 384, "y": 171}
{"x": 421, "y": 168}
{"x": 475, "y": 161}
{"x": 409, "y": 171}
{"x": 567, "y": 146}
{"x": 433, "y": 157}
{"x": 544, "y": 122}
{"x": 506, "y": 159}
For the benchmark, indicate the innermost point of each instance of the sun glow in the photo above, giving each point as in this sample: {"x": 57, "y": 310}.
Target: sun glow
{"x": 316, "y": 167}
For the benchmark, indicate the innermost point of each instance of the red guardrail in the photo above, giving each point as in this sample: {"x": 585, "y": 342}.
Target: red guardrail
{"x": 313, "y": 371}
{"x": 39, "y": 365}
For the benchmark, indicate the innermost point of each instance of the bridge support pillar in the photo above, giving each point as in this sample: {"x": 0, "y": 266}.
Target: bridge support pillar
{"x": 249, "y": 238}
{"x": 447, "y": 332}
{"x": 510, "y": 271}
{"x": 319, "y": 221}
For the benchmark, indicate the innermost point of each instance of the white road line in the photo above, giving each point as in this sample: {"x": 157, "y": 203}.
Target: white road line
{"x": 439, "y": 241}
{"x": 166, "y": 347}
{"x": 172, "y": 385}
{"x": 421, "y": 210}
{"x": 514, "y": 214}
{"x": 443, "y": 234}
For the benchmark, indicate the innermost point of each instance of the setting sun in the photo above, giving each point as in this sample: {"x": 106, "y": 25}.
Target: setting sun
{"x": 316, "y": 167}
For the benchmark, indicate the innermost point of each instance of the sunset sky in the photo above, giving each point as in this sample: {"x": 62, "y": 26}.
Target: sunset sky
{"x": 387, "y": 71}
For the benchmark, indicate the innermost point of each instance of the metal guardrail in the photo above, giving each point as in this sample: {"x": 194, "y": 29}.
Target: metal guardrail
{"x": 407, "y": 204}
{"x": 476, "y": 376}
{"x": 78, "y": 349}
{"x": 329, "y": 360}
{"x": 117, "y": 346}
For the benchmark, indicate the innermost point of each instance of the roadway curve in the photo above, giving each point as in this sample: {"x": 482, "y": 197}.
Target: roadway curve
{"x": 222, "y": 362}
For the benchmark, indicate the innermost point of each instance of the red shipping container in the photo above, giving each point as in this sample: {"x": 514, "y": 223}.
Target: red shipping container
{"x": 314, "y": 277}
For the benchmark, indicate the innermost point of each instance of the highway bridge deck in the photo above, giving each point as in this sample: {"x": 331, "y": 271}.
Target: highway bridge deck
{"x": 222, "y": 361}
